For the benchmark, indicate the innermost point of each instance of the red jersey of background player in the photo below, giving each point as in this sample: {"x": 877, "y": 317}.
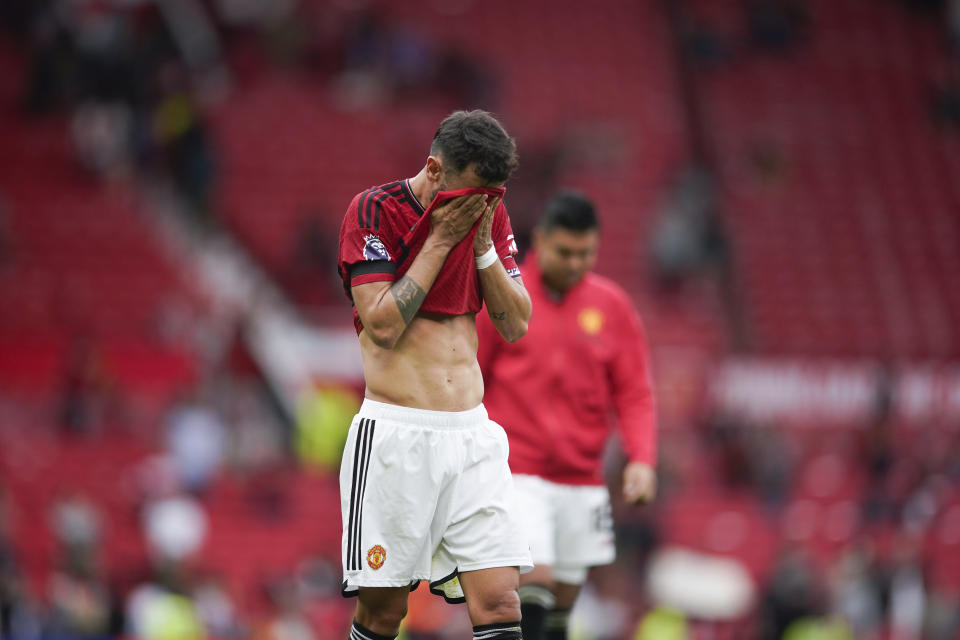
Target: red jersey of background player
{"x": 384, "y": 229}
{"x": 552, "y": 390}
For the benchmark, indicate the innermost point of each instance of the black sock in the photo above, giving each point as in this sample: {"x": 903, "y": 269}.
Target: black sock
{"x": 555, "y": 624}
{"x": 498, "y": 631}
{"x": 535, "y": 601}
{"x": 360, "y": 632}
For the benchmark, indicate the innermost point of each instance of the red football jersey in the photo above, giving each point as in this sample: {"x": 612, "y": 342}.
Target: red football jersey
{"x": 383, "y": 231}
{"x": 581, "y": 367}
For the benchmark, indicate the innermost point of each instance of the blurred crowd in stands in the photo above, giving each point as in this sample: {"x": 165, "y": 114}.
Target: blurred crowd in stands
{"x": 878, "y": 584}
{"x": 226, "y": 431}
{"x": 137, "y": 77}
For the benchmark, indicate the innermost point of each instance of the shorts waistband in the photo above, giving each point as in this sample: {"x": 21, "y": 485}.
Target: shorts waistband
{"x": 423, "y": 417}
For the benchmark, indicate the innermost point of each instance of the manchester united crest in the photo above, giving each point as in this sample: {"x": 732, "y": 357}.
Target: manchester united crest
{"x": 591, "y": 320}
{"x": 376, "y": 556}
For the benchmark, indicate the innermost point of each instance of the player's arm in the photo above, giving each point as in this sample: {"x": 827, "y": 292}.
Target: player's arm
{"x": 386, "y": 308}
{"x": 633, "y": 397}
{"x": 488, "y": 345}
{"x": 508, "y": 303}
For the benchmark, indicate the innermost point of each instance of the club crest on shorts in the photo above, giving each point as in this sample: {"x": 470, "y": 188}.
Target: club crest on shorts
{"x": 376, "y": 556}
{"x": 373, "y": 248}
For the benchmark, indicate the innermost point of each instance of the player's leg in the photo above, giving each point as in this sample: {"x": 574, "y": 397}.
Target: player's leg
{"x": 557, "y": 620}
{"x": 379, "y": 613}
{"x": 536, "y": 600}
{"x": 584, "y": 539}
{"x": 534, "y": 500}
{"x": 493, "y": 603}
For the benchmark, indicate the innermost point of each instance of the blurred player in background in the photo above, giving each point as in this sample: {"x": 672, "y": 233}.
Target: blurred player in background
{"x": 583, "y": 359}
{"x": 426, "y": 493}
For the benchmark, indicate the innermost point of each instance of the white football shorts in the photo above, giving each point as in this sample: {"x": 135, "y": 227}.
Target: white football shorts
{"x": 425, "y": 495}
{"x": 569, "y": 527}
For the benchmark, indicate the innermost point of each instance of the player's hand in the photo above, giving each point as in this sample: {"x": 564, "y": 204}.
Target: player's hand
{"x": 639, "y": 483}
{"x": 451, "y": 221}
{"x": 484, "y": 240}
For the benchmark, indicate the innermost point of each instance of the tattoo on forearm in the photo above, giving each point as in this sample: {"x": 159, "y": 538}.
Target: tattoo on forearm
{"x": 408, "y": 296}
{"x": 498, "y": 315}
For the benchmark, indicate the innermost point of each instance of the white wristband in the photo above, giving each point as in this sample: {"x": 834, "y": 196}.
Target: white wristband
{"x": 487, "y": 258}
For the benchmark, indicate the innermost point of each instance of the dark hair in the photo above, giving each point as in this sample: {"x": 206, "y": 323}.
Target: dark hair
{"x": 570, "y": 210}
{"x": 476, "y": 137}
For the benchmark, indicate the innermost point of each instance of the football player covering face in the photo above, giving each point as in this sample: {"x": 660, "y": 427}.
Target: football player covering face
{"x": 428, "y": 360}
{"x": 422, "y": 417}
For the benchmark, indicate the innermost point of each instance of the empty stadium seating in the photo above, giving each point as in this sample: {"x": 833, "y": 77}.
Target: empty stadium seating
{"x": 840, "y": 192}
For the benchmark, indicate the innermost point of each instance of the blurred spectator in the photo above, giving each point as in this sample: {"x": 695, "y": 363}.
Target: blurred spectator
{"x": 215, "y": 608}
{"x": 855, "y": 591}
{"x": 102, "y": 135}
{"x": 175, "y": 527}
{"x": 410, "y": 61}
{"x": 309, "y": 275}
{"x": 257, "y": 442}
{"x": 319, "y": 577}
{"x": 724, "y": 436}
{"x": 318, "y": 582}
{"x": 153, "y": 478}
{"x": 197, "y": 441}
{"x": 884, "y": 399}
{"x": 879, "y": 455}
{"x": 776, "y": 25}
{"x": 323, "y": 417}
{"x": 688, "y": 238}
{"x": 85, "y": 388}
{"x": 287, "y": 621}
{"x": 18, "y": 618}
{"x": 183, "y": 137}
{"x": 76, "y": 524}
{"x": 953, "y": 26}
{"x": 8, "y": 572}
{"x": 313, "y": 249}
{"x": 771, "y": 463}
{"x": 945, "y": 104}
{"x": 767, "y": 162}
{"x": 382, "y": 60}
{"x": 791, "y": 594}
{"x": 907, "y": 593}
{"x": 465, "y": 81}
{"x": 54, "y": 62}
{"x": 602, "y": 611}
{"x": 80, "y": 603}
{"x": 161, "y": 609}
{"x": 704, "y": 45}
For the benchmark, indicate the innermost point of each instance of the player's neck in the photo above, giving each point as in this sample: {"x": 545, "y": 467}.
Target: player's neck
{"x": 420, "y": 186}
{"x": 552, "y": 292}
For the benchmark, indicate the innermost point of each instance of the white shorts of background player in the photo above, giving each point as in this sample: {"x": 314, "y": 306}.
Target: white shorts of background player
{"x": 569, "y": 527}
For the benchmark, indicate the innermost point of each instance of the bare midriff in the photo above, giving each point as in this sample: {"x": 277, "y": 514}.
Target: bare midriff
{"x": 432, "y": 366}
